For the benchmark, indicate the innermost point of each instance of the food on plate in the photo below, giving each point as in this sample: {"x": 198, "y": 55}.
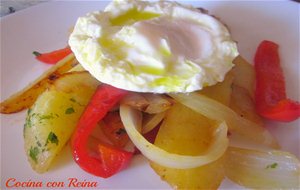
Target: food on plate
{"x": 147, "y": 102}
{"x": 244, "y": 75}
{"x": 154, "y": 47}
{"x": 53, "y": 57}
{"x": 242, "y": 103}
{"x": 27, "y": 96}
{"x": 263, "y": 169}
{"x": 271, "y": 101}
{"x": 181, "y": 133}
{"x": 108, "y": 160}
{"x": 166, "y": 78}
{"x": 51, "y": 120}
{"x": 150, "y": 121}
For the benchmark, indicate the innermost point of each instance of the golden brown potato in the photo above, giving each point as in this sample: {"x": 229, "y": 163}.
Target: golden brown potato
{"x": 27, "y": 96}
{"x": 242, "y": 103}
{"x": 244, "y": 75}
{"x": 221, "y": 91}
{"x": 53, "y": 117}
{"x": 184, "y": 131}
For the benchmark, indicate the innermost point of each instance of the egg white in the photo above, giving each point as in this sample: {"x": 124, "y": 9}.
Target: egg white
{"x": 157, "y": 47}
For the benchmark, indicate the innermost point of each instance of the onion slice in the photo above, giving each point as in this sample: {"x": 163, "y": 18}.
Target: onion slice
{"x": 262, "y": 169}
{"x": 130, "y": 118}
{"x": 219, "y": 112}
{"x": 151, "y": 121}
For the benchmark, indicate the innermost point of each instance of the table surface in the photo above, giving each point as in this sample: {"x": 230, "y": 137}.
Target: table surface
{"x": 11, "y": 6}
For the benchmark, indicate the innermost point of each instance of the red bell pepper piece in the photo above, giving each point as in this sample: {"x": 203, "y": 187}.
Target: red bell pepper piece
{"x": 270, "y": 93}
{"x": 54, "y": 56}
{"x": 109, "y": 160}
{"x": 114, "y": 130}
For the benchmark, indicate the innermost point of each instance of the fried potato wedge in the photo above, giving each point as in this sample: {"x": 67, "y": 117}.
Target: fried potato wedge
{"x": 77, "y": 68}
{"x": 220, "y": 92}
{"x": 242, "y": 103}
{"x": 184, "y": 131}
{"x": 53, "y": 117}
{"x": 27, "y": 96}
{"x": 244, "y": 75}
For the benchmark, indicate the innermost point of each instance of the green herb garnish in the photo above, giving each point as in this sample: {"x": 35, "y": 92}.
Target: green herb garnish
{"x": 75, "y": 101}
{"x": 69, "y": 110}
{"x": 272, "y": 166}
{"x": 41, "y": 117}
{"x": 33, "y": 152}
{"x": 38, "y": 143}
{"x": 28, "y": 119}
{"x": 72, "y": 100}
{"x": 52, "y": 138}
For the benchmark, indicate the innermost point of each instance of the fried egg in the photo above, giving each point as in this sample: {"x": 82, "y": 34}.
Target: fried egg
{"x": 157, "y": 47}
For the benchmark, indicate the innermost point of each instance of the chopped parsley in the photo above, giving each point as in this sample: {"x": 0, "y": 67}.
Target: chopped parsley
{"x": 37, "y": 141}
{"x": 72, "y": 100}
{"x": 33, "y": 152}
{"x": 50, "y": 116}
{"x": 272, "y": 166}
{"x": 29, "y": 111}
{"x": 28, "y": 119}
{"x": 31, "y": 118}
{"x": 75, "y": 101}
{"x": 69, "y": 110}
{"x": 52, "y": 138}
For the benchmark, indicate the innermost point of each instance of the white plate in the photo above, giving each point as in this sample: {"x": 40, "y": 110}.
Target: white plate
{"x": 45, "y": 27}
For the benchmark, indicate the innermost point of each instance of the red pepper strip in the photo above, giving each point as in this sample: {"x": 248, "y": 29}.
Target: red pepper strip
{"x": 114, "y": 130}
{"x": 54, "y": 56}
{"x": 110, "y": 160}
{"x": 270, "y": 93}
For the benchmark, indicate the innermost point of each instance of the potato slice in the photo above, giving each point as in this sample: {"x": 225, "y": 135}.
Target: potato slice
{"x": 244, "y": 75}
{"x": 77, "y": 68}
{"x": 221, "y": 91}
{"x": 242, "y": 98}
{"x": 77, "y": 84}
{"x": 186, "y": 132}
{"x": 53, "y": 117}
{"x": 242, "y": 103}
{"x": 27, "y": 96}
